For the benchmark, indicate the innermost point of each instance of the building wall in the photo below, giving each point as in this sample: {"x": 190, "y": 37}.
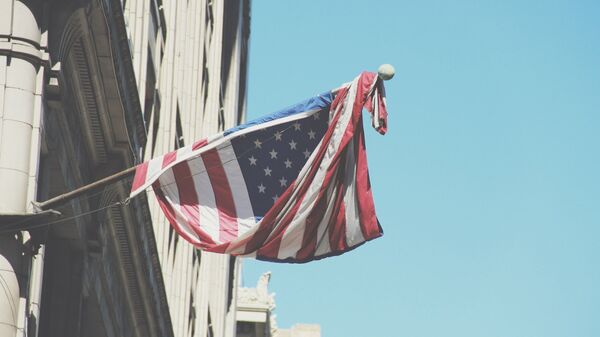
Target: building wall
{"x": 89, "y": 88}
{"x": 195, "y": 86}
{"x": 300, "y": 330}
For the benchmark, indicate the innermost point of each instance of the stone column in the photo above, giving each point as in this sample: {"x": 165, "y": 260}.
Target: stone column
{"x": 20, "y": 106}
{"x": 9, "y": 285}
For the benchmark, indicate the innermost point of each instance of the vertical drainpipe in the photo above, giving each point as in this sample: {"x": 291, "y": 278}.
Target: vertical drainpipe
{"x": 20, "y": 109}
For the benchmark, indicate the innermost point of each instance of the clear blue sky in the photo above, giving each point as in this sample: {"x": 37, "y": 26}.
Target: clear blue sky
{"x": 488, "y": 182}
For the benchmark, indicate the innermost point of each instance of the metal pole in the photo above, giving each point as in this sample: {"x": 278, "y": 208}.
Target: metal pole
{"x": 63, "y": 198}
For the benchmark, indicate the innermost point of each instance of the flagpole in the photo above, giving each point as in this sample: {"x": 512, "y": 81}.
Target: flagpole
{"x": 60, "y": 199}
{"x": 385, "y": 72}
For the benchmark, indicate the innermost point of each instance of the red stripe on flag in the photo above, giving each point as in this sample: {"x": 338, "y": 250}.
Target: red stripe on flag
{"x": 169, "y": 212}
{"x": 382, "y": 112}
{"x": 316, "y": 216}
{"x": 169, "y": 158}
{"x": 259, "y": 242}
{"x": 366, "y": 208}
{"x": 188, "y": 198}
{"x": 221, "y": 249}
{"x": 337, "y": 222}
{"x": 200, "y": 143}
{"x": 270, "y": 248}
{"x": 140, "y": 176}
{"x": 311, "y": 228}
{"x": 335, "y": 172}
{"x": 223, "y": 195}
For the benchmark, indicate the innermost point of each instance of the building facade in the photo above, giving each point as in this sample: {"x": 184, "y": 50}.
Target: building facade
{"x": 255, "y": 308}
{"x": 256, "y": 318}
{"x": 89, "y": 88}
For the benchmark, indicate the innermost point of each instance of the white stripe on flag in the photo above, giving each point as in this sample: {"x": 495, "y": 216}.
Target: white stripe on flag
{"x": 171, "y": 192}
{"x": 154, "y": 168}
{"x": 207, "y": 206}
{"x": 237, "y": 184}
{"x": 354, "y": 234}
{"x": 292, "y": 239}
{"x": 184, "y": 152}
{"x": 375, "y": 117}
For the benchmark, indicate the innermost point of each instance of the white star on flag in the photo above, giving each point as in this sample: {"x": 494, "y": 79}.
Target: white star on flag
{"x": 268, "y": 171}
{"x": 252, "y": 161}
{"x": 292, "y": 145}
{"x": 273, "y": 154}
{"x": 261, "y": 188}
{"x": 288, "y": 163}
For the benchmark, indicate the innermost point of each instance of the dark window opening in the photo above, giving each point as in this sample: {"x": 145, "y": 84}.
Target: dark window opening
{"x": 150, "y": 91}
{"x": 192, "y": 315}
{"x": 231, "y": 282}
{"x": 205, "y": 80}
{"x": 209, "y": 330}
{"x": 179, "y": 140}
{"x": 210, "y": 18}
{"x": 156, "y": 121}
{"x": 221, "y": 116}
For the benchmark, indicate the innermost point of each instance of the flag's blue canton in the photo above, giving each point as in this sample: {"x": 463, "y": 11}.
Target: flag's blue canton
{"x": 271, "y": 158}
{"x": 319, "y": 102}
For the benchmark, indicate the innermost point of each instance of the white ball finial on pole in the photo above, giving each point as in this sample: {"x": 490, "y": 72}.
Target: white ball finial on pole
{"x": 386, "y": 71}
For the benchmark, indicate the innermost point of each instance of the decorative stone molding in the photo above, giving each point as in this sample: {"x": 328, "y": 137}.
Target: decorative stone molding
{"x": 258, "y": 297}
{"x": 23, "y": 50}
{"x": 54, "y": 82}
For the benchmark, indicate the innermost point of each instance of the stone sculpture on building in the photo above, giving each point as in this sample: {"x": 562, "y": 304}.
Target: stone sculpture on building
{"x": 256, "y": 318}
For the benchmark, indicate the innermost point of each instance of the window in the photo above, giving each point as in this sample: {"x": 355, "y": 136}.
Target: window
{"x": 179, "y": 140}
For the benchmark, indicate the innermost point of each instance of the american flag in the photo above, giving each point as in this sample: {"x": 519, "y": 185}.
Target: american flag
{"x": 292, "y": 186}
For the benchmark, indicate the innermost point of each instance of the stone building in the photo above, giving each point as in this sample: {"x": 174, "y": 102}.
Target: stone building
{"x": 89, "y": 88}
{"x": 255, "y": 308}
{"x": 300, "y": 330}
{"x": 256, "y": 318}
